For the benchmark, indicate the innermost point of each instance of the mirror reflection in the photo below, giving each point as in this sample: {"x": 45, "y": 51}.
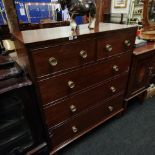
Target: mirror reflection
{"x": 151, "y": 11}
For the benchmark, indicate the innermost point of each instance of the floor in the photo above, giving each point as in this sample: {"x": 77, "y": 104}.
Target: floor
{"x": 132, "y": 134}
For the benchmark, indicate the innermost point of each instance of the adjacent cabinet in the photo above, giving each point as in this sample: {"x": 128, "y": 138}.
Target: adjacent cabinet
{"x": 142, "y": 71}
{"x": 80, "y": 77}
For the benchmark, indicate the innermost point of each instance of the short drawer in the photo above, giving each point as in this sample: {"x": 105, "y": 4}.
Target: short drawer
{"x": 49, "y": 60}
{"x": 85, "y": 122}
{"x": 115, "y": 43}
{"x": 61, "y": 111}
{"x": 67, "y": 84}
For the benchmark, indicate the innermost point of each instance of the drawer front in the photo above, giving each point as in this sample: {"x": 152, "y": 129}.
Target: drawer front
{"x": 86, "y": 121}
{"x": 80, "y": 102}
{"x": 71, "y": 82}
{"x": 115, "y": 43}
{"x": 49, "y": 60}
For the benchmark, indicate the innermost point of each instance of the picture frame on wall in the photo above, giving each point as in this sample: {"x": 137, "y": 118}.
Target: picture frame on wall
{"x": 120, "y": 3}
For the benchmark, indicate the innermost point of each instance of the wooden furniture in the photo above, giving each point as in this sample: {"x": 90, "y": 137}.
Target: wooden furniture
{"x": 19, "y": 119}
{"x": 106, "y": 11}
{"x": 4, "y": 32}
{"x": 148, "y": 31}
{"x": 142, "y": 71}
{"x": 29, "y": 26}
{"x": 80, "y": 79}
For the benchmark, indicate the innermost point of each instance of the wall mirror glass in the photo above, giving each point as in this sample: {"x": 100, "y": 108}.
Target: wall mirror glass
{"x": 151, "y": 11}
{"x": 148, "y": 31}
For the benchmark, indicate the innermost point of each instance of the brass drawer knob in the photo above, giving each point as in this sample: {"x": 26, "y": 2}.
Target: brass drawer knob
{"x": 83, "y": 54}
{"x": 74, "y": 128}
{"x": 71, "y": 84}
{"x": 111, "y": 108}
{"x": 115, "y": 68}
{"x": 108, "y": 48}
{"x": 52, "y": 61}
{"x": 127, "y": 43}
{"x": 113, "y": 89}
{"x": 73, "y": 108}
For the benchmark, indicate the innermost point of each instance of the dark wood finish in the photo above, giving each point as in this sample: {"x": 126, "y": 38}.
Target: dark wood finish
{"x": 146, "y": 49}
{"x": 153, "y": 67}
{"x": 11, "y": 75}
{"x": 54, "y": 24}
{"x": 11, "y": 72}
{"x": 11, "y": 16}
{"x": 67, "y": 56}
{"x": 83, "y": 101}
{"x": 4, "y": 32}
{"x": 107, "y": 6}
{"x": 112, "y": 40}
{"x": 83, "y": 122}
{"x": 99, "y": 9}
{"x": 13, "y": 83}
{"x": 20, "y": 118}
{"x": 8, "y": 68}
{"x": 98, "y": 81}
{"x": 142, "y": 71}
{"x": 142, "y": 75}
{"x": 89, "y": 76}
{"x": 39, "y": 150}
{"x": 142, "y": 97}
{"x": 60, "y": 34}
{"x": 106, "y": 10}
{"x": 6, "y": 61}
{"x": 42, "y": 38}
{"x": 29, "y": 26}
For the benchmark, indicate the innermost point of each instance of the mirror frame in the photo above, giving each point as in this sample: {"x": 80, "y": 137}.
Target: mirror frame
{"x": 147, "y": 26}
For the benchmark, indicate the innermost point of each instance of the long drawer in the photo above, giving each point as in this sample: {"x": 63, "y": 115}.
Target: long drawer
{"x": 85, "y": 122}
{"x": 53, "y": 59}
{"x": 63, "y": 110}
{"x": 63, "y": 85}
{"x": 114, "y": 43}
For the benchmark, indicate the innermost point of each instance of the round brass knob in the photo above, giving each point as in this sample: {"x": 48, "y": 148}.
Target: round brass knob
{"x": 127, "y": 43}
{"x": 71, "y": 84}
{"x": 83, "y": 54}
{"x": 115, "y": 68}
{"x": 111, "y": 108}
{"x": 74, "y": 128}
{"x": 113, "y": 89}
{"x": 52, "y": 61}
{"x": 73, "y": 108}
{"x": 108, "y": 48}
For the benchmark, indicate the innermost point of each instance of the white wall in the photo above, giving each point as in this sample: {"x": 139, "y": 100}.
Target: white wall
{"x": 120, "y": 10}
{"x": 116, "y": 12}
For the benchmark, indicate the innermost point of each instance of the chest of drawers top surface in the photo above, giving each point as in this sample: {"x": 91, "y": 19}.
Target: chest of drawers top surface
{"x": 54, "y": 50}
{"x": 65, "y": 33}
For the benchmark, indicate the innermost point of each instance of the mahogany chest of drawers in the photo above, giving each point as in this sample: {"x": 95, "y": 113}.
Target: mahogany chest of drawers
{"x": 80, "y": 77}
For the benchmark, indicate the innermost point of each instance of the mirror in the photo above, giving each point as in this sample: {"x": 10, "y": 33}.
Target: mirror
{"x": 151, "y": 11}
{"x": 148, "y": 30}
